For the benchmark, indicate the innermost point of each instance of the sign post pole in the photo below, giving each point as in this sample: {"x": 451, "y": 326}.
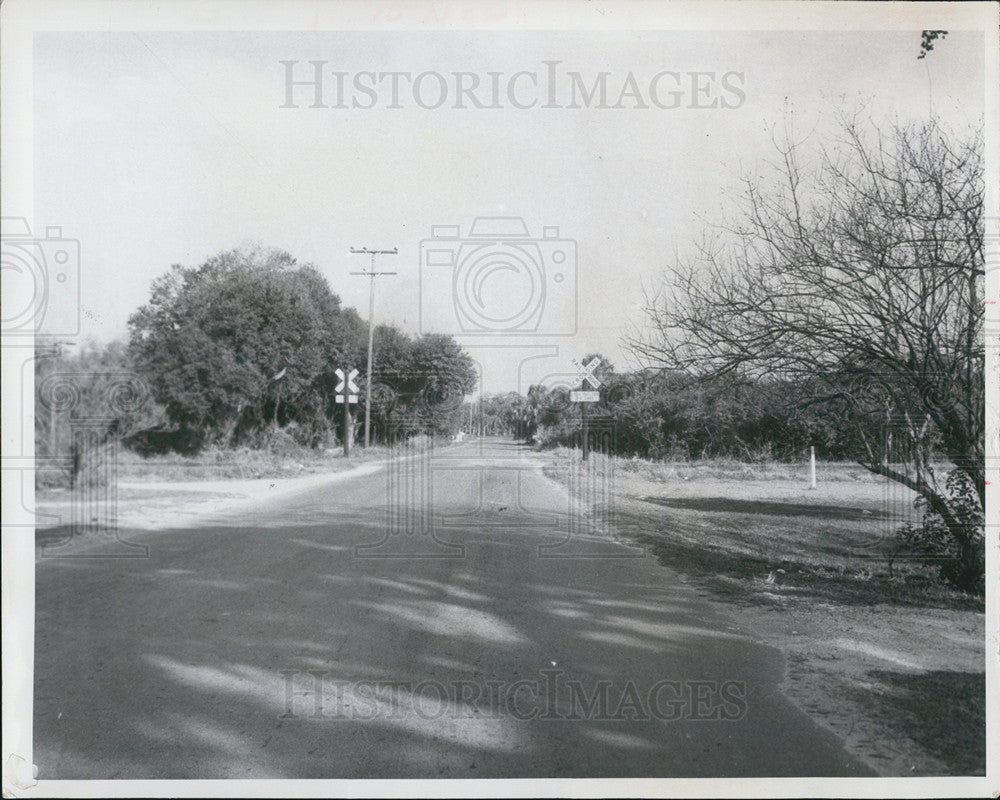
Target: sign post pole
{"x": 347, "y": 427}
{"x": 584, "y": 396}
{"x": 347, "y": 393}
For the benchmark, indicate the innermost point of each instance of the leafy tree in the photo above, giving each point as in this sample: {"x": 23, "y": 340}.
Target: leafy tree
{"x": 419, "y": 385}
{"x": 441, "y": 374}
{"x": 248, "y": 339}
{"x": 503, "y": 415}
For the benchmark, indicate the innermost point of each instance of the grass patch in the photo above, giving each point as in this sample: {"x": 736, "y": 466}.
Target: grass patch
{"x": 281, "y": 460}
{"x": 756, "y": 532}
{"x": 238, "y": 464}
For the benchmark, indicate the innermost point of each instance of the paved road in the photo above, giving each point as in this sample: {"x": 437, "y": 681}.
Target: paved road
{"x": 447, "y": 616}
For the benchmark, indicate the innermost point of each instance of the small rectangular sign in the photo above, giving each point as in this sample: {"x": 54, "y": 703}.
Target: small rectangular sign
{"x": 351, "y": 398}
{"x": 581, "y": 396}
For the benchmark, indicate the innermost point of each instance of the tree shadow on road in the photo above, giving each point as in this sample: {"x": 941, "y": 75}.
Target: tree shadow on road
{"x": 262, "y": 657}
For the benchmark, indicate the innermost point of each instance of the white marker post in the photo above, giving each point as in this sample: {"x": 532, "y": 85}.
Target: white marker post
{"x": 812, "y": 467}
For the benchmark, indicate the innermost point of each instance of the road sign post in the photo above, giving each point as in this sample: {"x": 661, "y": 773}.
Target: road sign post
{"x": 584, "y": 395}
{"x": 347, "y": 393}
{"x": 347, "y": 428}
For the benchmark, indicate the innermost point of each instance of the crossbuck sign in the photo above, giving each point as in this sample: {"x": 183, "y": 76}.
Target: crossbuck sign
{"x": 347, "y": 382}
{"x": 587, "y": 376}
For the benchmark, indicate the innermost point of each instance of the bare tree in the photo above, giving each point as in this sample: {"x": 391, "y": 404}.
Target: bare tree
{"x": 857, "y": 267}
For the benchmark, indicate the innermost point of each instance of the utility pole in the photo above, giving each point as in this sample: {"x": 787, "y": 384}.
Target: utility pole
{"x": 371, "y": 274}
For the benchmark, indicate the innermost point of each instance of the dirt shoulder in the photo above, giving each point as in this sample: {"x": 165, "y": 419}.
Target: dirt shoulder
{"x": 179, "y": 492}
{"x": 886, "y": 658}
{"x": 151, "y": 505}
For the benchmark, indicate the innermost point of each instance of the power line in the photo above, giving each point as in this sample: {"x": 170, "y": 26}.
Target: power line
{"x": 372, "y": 275}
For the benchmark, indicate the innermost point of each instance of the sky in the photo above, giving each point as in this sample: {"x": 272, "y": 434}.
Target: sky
{"x": 152, "y": 149}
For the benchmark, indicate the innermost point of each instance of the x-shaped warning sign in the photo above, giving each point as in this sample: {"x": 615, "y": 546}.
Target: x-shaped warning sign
{"x": 347, "y": 381}
{"x": 586, "y": 373}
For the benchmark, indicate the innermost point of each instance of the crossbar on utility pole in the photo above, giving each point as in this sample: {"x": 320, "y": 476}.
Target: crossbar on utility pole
{"x": 372, "y": 274}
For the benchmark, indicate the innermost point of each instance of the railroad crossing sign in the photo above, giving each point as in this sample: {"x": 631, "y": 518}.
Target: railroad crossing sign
{"x": 586, "y": 373}
{"x": 585, "y": 395}
{"x": 347, "y": 382}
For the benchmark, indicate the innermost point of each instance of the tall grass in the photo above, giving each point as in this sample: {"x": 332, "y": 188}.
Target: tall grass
{"x": 714, "y": 468}
{"x": 279, "y": 457}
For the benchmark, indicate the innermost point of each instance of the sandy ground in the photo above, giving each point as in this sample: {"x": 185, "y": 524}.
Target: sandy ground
{"x": 902, "y": 683}
{"x": 154, "y": 505}
{"x": 905, "y": 688}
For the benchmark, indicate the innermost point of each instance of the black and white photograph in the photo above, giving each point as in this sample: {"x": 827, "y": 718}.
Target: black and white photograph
{"x": 415, "y": 399}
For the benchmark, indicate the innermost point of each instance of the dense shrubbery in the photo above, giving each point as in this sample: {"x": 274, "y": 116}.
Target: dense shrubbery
{"x": 242, "y": 352}
{"x": 959, "y": 546}
{"x": 671, "y": 416}
{"x": 251, "y": 340}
